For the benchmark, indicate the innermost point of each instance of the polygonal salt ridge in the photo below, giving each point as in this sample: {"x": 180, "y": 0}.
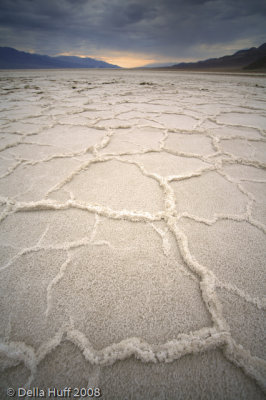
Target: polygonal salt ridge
{"x": 245, "y": 318}
{"x": 120, "y": 123}
{"x": 54, "y": 371}
{"x": 170, "y": 166}
{"x": 121, "y": 234}
{"x": 59, "y": 110}
{"x": 24, "y": 182}
{"x": 152, "y": 108}
{"x": 236, "y": 132}
{"x": 22, "y": 128}
{"x": 96, "y": 114}
{"x": 242, "y": 119}
{"x": 115, "y": 174}
{"x": 185, "y": 344}
{"x": 204, "y": 339}
{"x": 175, "y": 121}
{"x": 232, "y": 351}
{"x": 243, "y": 161}
{"x": 45, "y": 229}
{"x": 196, "y": 197}
{"x": 8, "y": 167}
{"x": 226, "y": 381}
{"x": 74, "y": 138}
{"x": 243, "y": 171}
{"x": 260, "y": 303}
{"x": 137, "y": 139}
{"x": 238, "y": 147}
{"x": 25, "y": 112}
{"x": 13, "y": 374}
{"x": 27, "y": 310}
{"x": 127, "y": 277}
{"x": 31, "y": 153}
{"x": 75, "y": 119}
{"x": 259, "y": 149}
{"x": 48, "y": 204}
{"x": 257, "y": 192}
{"x": 197, "y": 144}
{"x": 131, "y": 114}
{"x": 225, "y": 259}
{"x": 11, "y": 142}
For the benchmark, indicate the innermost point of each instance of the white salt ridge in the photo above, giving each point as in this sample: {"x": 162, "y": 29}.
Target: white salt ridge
{"x": 211, "y": 337}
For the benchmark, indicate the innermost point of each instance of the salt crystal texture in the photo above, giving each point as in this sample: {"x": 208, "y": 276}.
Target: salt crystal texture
{"x": 132, "y": 234}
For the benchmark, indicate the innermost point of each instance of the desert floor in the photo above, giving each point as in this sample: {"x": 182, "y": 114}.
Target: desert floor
{"x": 132, "y": 234}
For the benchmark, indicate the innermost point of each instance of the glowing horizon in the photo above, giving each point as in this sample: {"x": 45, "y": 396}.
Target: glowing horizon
{"x": 120, "y": 59}
{"x": 125, "y": 60}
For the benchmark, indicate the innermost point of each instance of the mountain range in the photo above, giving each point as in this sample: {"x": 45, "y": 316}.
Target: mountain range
{"x": 250, "y": 59}
{"x": 14, "y": 59}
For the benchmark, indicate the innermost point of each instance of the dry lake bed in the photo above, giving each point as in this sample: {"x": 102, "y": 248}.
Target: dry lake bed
{"x": 132, "y": 234}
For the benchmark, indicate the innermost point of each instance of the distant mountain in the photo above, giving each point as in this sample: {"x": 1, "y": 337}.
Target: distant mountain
{"x": 243, "y": 59}
{"x": 259, "y": 64}
{"x": 156, "y": 65}
{"x": 84, "y": 62}
{"x": 14, "y": 59}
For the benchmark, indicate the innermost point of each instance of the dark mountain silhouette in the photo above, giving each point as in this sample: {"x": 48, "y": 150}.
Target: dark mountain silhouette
{"x": 242, "y": 59}
{"x": 259, "y": 64}
{"x": 14, "y": 59}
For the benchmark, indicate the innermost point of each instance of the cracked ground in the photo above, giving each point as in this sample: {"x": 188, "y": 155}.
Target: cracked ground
{"x": 132, "y": 233}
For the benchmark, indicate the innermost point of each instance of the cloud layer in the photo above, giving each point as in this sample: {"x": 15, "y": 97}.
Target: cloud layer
{"x": 155, "y": 29}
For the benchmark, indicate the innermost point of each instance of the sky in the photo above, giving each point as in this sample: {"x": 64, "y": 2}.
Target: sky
{"x": 133, "y": 33}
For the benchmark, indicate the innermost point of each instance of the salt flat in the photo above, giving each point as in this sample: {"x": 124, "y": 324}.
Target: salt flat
{"x": 132, "y": 234}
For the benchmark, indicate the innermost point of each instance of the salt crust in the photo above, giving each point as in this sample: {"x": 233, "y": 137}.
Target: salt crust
{"x": 232, "y": 259}
{"x": 239, "y": 313}
{"x": 63, "y": 241}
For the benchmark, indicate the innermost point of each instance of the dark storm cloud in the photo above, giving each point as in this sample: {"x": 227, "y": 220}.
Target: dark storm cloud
{"x": 169, "y": 28}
